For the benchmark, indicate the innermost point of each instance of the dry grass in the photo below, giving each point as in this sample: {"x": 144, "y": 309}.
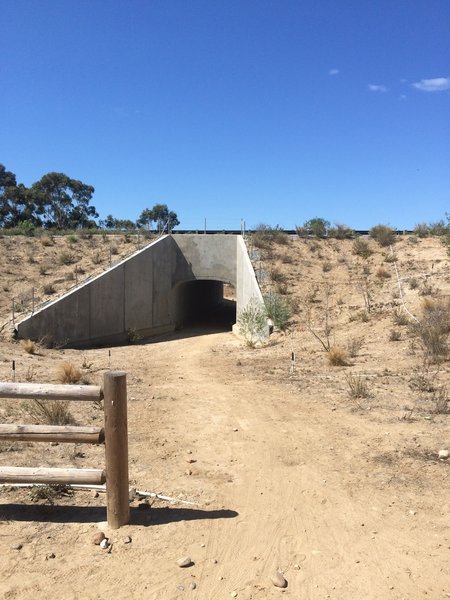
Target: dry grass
{"x": 434, "y": 328}
{"x": 357, "y": 386}
{"x": 29, "y": 346}
{"x": 354, "y": 345}
{"x": 46, "y": 241}
{"x": 50, "y": 412}
{"x": 382, "y": 273}
{"x": 69, "y": 373}
{"x": 338, "y": 357}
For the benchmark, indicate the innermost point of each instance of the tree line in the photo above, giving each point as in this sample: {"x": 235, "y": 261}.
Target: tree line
{"x": 59, "y": 202}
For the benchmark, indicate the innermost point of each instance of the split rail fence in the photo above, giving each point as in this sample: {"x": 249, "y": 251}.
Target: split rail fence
{"x": 114, "y": 435}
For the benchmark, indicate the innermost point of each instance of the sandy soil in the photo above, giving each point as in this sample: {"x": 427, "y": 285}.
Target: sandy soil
{"x": 347, "y": 498}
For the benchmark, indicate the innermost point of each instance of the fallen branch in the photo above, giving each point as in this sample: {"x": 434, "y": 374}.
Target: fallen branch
{"x": 102, "y": 488}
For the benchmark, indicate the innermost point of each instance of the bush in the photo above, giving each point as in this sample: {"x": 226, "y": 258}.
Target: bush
{"x": 357, "y": 386}
{"x": 26, "y": 228}
{"x": 66, "y": 258}
{"x": 68, "y": 373}
{"x": 441, "y": 401}
{"x": 395, "y": 335}
{"x": 317, "y": 227}
{"x": 341, "y": 232}
{"x": 47, "y": 240}
{"x": 400, "y": 317}
{"x": 382, "y": 273}
{"x": 422, "y": 230}
{"x": 48, "y": 289}
{"x": 434, "y": 328}
{"x": 252, "y": 322}
{"x": 265, "y": 235}
{"x": 383, "y": 234}
{"x": 29, "y": 346}
{"x": 51, "y": 412}
{"x": 361, "y": 248}
{"x": 354, "y": 345}
{"x": 278, "y": 310}
{"x": 338, "y": 357}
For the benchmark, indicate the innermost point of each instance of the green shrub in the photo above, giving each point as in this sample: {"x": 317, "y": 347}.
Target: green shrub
{"x": 361, "y": 248}
{"x": 383, "y": 234}
{"x": 252, "y": 322}
{"x": 341, "y": 232}
{"x": 278, "y": 310}
{"x": 317, "y": 226}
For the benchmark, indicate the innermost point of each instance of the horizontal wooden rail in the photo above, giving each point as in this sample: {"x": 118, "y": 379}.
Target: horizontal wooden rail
{"x": 52, "y": 433}
{"x": 48, "y": 391}
{"x": 45, "y": 475}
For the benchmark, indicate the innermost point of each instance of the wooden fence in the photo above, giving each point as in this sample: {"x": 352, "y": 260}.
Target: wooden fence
{"x": 114, "y": 435}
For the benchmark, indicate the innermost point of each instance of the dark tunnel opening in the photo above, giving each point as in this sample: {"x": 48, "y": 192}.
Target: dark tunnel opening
{"x": 205, "y": 304}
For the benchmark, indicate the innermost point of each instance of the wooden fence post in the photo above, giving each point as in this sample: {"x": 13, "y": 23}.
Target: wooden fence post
{"x": 116, "y": 448}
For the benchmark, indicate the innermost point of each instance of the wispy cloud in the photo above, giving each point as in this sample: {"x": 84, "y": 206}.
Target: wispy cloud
{"x": 333, "y": 72}
{"x": 439, "y": 84}
{"x": 377, "y": 88}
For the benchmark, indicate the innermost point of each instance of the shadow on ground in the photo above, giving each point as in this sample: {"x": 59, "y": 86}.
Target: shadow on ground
{"x": 87, "y": 514}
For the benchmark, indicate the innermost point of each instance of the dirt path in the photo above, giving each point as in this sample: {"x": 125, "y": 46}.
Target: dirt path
{"x": 282, "y": 479}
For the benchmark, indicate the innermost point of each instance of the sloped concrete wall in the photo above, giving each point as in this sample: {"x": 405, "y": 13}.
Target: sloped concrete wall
{"x": 140, "y": 293}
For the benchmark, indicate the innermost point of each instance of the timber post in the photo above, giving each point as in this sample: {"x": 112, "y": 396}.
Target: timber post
{"x": 116, "y": 448}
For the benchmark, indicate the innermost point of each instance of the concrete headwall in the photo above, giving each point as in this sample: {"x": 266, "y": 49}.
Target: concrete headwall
{"x": 141, "y": 293}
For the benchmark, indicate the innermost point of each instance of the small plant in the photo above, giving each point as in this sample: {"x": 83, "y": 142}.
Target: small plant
{"x": 357, "y": 386}
{"x": 133, "y": 336}
{"x": 361, "y": 248}
{"x": 68, "y": 373}
{"x": 43, "y": 270}
{"x": 441, "y": 401}
{"x": 400, "y": 318}
{"x": 422, "y": 380}
{"x": 72, "y": 239}
{"x": 338, "y": 357}
{"x": 391, "y": 258}
{"x": 96, "y": 258}
{"x": 252, "y": 322}
{"x": 422, "y": 230}
{"x": 47, "y": 240}
{"x": 51, "y": 412}
{"x": 395, "y": 335}
{"x": 382, "y": 273}
{"x": 277, "y": 276}
{"x": 354, "y": 345}
{"x": 364, "y": 315}
{"x": 413, "y": 283}
{"x": 29, "y": 375}
{"x": 383, "y": 234}
{"x": 327, "y": 266}
{"x": 49, "y": 493}
{"x": 127, "y": 238}
{"x": 433, "y": 329}
{"x": 29, "y": 346}
{"x": 114, "y": 250}
{"x": 341, "y": 232}
{"x": 48, "y": 289}
{"x": 66, "y": 258}
{"x": 317, "y": 227}
{"x": 287, "y": 259}
{"x": 277, "y": 309}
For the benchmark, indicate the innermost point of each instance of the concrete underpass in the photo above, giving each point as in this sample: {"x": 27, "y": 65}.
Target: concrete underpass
{"x": 176, "y": 282}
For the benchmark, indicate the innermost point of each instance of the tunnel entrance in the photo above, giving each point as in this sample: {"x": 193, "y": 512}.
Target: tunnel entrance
{"x": 205, "y": 304}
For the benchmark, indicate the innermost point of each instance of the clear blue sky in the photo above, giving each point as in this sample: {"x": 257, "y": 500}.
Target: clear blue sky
{"x": 273, "y": 111}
